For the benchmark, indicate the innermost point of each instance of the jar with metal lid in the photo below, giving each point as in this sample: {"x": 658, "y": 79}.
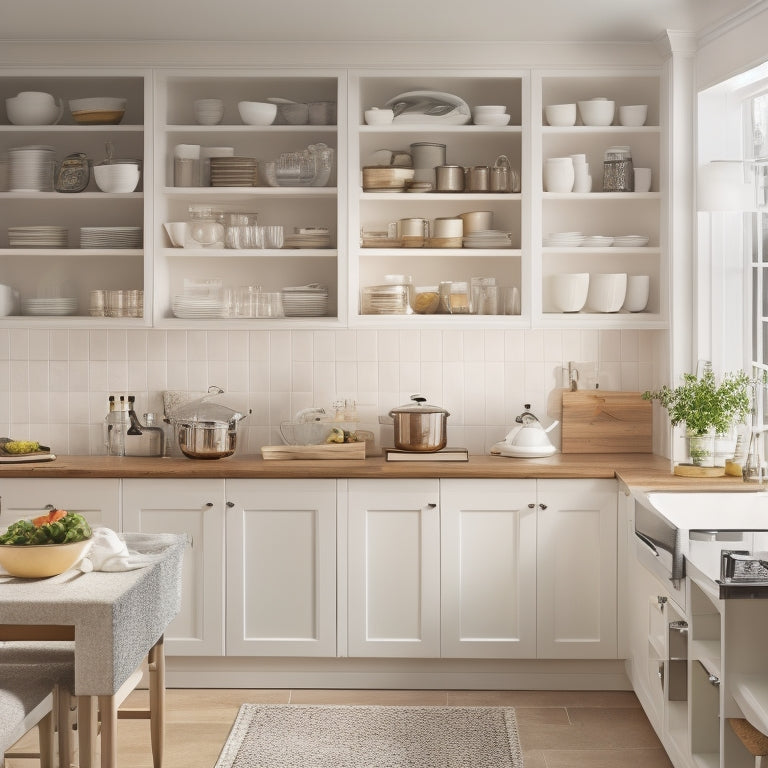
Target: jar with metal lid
{"x": 618, "y": 170}
{"x": 426, "y": 299}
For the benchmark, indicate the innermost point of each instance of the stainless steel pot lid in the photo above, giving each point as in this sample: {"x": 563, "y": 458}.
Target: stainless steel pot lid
{"x": 213, "y": 408}
{"x": 419, "y": 405}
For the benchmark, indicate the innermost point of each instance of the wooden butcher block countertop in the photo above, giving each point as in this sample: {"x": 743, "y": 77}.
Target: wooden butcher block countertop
{"x": 637, "y": 470}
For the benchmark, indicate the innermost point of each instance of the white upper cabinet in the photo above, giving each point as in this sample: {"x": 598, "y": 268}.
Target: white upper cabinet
{"x": 46, "y": 265}
{"x": 223, "y": 187}
{"x": 349, "y": 228}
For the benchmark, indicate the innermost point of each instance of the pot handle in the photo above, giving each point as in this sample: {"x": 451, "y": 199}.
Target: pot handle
{"x": 418, "y": 399}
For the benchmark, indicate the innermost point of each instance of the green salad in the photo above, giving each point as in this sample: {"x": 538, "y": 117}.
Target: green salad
{"x": 61, "y": 528}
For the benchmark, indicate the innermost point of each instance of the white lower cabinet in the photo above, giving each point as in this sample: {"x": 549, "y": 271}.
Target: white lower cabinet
{"x": 194, "y": 508}
{"x": 281, "y": 567}
{"x": 393, "y": 587}
{"x": 488, "y": 568}
{"x": 576, "y": 571}
{"x": 97, "y": 498}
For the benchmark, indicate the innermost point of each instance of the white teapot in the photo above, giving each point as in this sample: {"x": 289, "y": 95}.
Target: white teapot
{"x": 530, "y": 438}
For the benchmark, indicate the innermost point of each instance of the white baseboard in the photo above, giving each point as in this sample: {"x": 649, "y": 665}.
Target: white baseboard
{"x": 413, "y": 674}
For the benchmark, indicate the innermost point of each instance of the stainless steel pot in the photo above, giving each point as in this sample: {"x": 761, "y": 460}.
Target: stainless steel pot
{"x": 207, "y": 439}
{"x": 419, "y": 426}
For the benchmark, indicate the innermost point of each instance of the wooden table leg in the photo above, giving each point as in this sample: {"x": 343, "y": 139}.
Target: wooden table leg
{"x": 87, "y": 729}
{"x": 157, "y": 701}
{"x": 108, "y": 717}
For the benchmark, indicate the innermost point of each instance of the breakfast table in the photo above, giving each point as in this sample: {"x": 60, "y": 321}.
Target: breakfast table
{"x": 116, "y": 619}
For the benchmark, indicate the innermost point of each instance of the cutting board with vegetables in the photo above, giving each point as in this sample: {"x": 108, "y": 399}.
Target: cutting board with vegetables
{"x": 599, "y": 421}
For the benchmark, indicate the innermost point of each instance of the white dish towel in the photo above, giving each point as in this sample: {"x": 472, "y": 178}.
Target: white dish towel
{"x": 108, "y": 552}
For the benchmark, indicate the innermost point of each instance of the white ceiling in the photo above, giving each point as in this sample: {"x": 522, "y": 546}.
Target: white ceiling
{"x": 362, "y": 20}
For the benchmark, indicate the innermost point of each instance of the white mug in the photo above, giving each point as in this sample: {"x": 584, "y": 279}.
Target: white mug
{"x": 638, "y": 288}
{"x": 642, "y": 179}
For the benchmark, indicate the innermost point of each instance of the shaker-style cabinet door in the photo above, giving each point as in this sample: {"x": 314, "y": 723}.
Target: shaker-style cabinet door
{"x": 577, "y": 569}
{"x": 98, "y": 499}
{"x": 488, "y": 565}
{"x": 281, "y": 567}
{"x": 393, "y": 568}
{"x": 194, "y": 508}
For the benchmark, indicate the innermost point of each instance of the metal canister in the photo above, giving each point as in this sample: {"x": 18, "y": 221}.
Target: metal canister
{"x": 479, "y": 178}
{"x": 427, "y": 155}
{"x": 618, "y": 171}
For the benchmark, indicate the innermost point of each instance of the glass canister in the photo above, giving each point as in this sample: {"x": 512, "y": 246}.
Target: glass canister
{"x": 618, "y": 171}
{"x": 205, "y": 227}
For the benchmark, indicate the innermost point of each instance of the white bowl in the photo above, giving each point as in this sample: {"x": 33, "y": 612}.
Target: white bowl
{"x": 122, "y": 177}
{"x": 257, "y": 112}
{"x": 607, "y": 291}
{"x": 177, "y": 232}
{"x": 491, "y": 118}
{"x": 493, "y": 109}
{"x": 97, "y": 103}
{"x": 569, "y": 291}
{"x": 633, "y": 115}
{"x": 638, "y": 289}
{"x": 32, "y": 111}
{"x": 376, "y": 116}
{"x": 597, "y": 111}
{"x": 561, "y": 115}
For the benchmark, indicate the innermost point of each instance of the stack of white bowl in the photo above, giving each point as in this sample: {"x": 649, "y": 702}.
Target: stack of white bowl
{"x": 582, "y": 181}
{"x": 490, "y": 114}
{"x": 117, "y": 176}
{"x": 31, "y": 168}
{"x": 209, "y": 111}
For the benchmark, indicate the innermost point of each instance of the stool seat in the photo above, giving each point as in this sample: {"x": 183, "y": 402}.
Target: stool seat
{"x": 26, "y": 700}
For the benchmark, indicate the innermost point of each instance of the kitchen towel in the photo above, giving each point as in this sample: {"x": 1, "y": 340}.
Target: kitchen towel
{"x": 108, "y": 552}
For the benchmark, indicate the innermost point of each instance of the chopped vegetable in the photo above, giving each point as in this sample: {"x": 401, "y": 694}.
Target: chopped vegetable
{"x": 21, "y": 446}
{"x": 57, "y": 527}
{"x": 336, "y": 436}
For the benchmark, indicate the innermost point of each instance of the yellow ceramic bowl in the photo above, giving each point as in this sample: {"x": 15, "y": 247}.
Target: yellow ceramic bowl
{"x": 38, "y": 561}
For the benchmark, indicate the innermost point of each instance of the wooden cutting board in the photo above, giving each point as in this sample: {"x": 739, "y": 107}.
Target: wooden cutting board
{"x": 325, "y": 451}
{"x": 598, "y": 421}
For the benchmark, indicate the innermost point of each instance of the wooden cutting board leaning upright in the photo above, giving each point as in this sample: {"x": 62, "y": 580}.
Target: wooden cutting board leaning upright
{"x": 599, "y": 421}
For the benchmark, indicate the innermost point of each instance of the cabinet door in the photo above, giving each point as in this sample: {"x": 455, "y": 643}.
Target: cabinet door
{"x": 394, "y": 568}
{"x": 281, "y": 567}
{"x": 195, "y": 508}
{"x": 97, "y": 498}
{"x": 488, "y": 568}
{"x": 576, "y": 582}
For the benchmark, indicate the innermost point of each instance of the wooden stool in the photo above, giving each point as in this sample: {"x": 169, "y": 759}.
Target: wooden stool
{"x": 755, "y": 741}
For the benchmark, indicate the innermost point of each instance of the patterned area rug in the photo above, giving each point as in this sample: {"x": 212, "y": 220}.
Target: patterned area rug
{"x": 299, "y": 736}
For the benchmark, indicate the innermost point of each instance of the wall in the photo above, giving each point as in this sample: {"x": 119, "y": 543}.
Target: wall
{"x": 54, "y": 384}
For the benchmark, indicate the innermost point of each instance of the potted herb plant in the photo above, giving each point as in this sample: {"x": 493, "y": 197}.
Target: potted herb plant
{"x": 706, "y": 408}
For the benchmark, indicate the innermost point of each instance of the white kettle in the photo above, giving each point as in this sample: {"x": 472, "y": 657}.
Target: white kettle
{"x": 530, "y": 439}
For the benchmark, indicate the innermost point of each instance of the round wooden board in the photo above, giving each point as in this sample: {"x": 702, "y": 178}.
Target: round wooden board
{"x": 691, "y": 470}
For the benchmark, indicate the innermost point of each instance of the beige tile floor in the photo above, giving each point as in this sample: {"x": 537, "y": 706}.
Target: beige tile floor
{"x": 558, "y": 729}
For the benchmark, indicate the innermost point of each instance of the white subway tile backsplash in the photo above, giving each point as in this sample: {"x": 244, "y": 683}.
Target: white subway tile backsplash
{"x": 61, "y": 379}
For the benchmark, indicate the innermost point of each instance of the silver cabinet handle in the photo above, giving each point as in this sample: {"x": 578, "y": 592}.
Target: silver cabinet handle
{"x": 230, "y": 504}
{"x": 208, "y": 503}
{"x": 531, "y": 506}
{"x": 542, "y": 506}
{"x": 714, "y": 680}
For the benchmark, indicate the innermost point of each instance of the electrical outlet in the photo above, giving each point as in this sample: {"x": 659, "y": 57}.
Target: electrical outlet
{"x": 582, "y": 375}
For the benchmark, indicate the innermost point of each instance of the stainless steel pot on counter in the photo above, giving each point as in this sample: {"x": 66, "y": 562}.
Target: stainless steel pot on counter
{"x": 419, "y": 426}
{"x": 207, "y": 428}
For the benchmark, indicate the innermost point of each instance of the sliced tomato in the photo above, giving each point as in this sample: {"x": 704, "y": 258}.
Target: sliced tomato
{"x": 51, "y": 517}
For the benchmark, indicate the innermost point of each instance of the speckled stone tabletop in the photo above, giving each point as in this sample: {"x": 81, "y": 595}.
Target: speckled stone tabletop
{"x": 117, "y": 617}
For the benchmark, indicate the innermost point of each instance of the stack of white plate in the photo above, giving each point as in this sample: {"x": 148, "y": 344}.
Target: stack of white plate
{"x": 31, "y": 168}
{"x": 110, "y": 237}
{"x": 305, "y": 300}
{"x": 630, "y": 241}
{"x": 597, "y": 241}
{"x": 487, "y": 238}
{"x": 308, "y": 237}
{"x": 55, "y": 306}
{"x": 38, "y": 237}
{"x": 191, "y": 307}
{"x": 234, "y": 172}
{"x": 563, "y": 239}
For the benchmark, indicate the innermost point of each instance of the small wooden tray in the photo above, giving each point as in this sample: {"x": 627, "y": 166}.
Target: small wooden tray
{"x": 691, "y": 470}
{"x": 326, "y": 451}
